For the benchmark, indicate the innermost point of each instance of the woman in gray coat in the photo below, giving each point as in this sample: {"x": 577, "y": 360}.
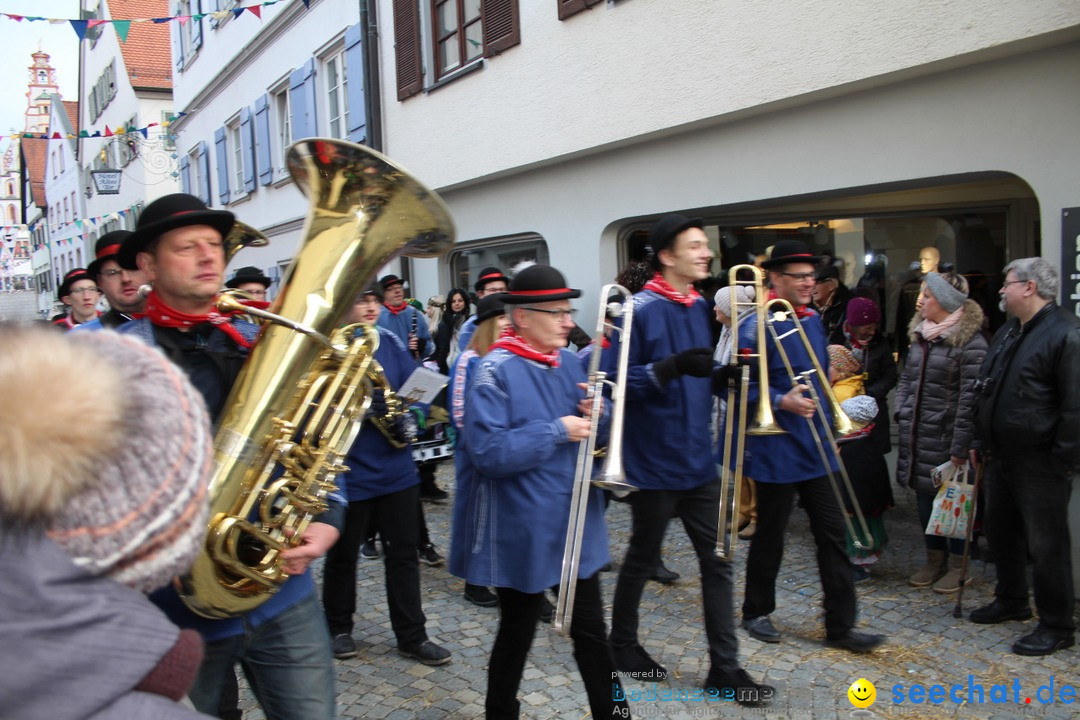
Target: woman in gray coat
{"x": 935, "y": 402}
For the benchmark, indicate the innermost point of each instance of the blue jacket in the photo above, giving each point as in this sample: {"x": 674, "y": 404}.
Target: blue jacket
{"x": 376, "y": 467}
{"x": 402, "y": 325}
{"x": 793, "y": 456}
{"x": 522, "y": 470}
{"x": 466, "y": 332}
{"x": 667, "y": 443}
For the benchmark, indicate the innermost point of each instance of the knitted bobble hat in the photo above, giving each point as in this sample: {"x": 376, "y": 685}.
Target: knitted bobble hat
{"x": 862, "y": 409}
{"x": 108, "y": 447}
{"x": 723, "y": 297}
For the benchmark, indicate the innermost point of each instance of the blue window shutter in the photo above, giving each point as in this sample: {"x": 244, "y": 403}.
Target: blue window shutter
{"x": 221, "y": 154}
{"x": 247, "y": 138}
{"x": 177, "y": 45}
{"x": 302, "y": 100}
{"x": 185, "y": 175}
{"x": 262, "y": 139}
{"x": 196, "y": 31}
{"x": 354, "y": 64}
{"x": 204, "y": 169}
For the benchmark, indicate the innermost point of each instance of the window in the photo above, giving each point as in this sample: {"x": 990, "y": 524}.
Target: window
{"x": 127, "y": 146}
{"x": 74, "y": 209}
{"x": 462, "y": 31}
{"x": 103, "y": 92}
{"x": 167, "y": 119}
{"x": 337, "y": 99}
{"x": 468, "y": 259}
{"x": 237, "y": 147}
{"x": 188, "y": 35}
{"x": 283, "y": 125}
{"x": 67, "y": 215}
{"x": 573, "y": 7}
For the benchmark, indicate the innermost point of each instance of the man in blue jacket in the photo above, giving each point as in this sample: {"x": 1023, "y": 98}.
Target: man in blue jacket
{"x": 787, "y": 464}
{"x": 668, "y": 454}
{"x": 382, "y": 487}
{"x": 402, "y": 319}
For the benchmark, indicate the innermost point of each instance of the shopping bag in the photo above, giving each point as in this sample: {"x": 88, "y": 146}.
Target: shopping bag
{"x": 953, "y": 507}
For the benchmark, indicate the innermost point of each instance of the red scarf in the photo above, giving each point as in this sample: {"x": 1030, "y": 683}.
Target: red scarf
{"x": 801, "y": 311}
{"x": 660, "y": 286}
{"x": 397, "y": 310}
{"x": 164, "y": 316}
{"x": 510, "y": 340}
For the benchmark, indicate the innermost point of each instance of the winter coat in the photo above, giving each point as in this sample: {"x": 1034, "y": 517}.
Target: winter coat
{"x": 935, "y": 399}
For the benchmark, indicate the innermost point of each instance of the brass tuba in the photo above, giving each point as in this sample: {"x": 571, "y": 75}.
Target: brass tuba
{"x": 296, "y": 406}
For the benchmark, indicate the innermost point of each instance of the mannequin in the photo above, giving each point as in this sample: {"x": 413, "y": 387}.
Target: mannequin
{"x": 929, "y": 259}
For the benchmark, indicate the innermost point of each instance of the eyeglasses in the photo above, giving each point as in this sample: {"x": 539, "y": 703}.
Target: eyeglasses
{"x": 559, "y": 315}
{"x": 84, "y": 291}
{"x": 1014, "y": 282}
{"x": 798, "y": 276}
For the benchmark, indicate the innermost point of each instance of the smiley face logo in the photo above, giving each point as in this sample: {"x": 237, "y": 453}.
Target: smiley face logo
{"x": 862, "y": 693}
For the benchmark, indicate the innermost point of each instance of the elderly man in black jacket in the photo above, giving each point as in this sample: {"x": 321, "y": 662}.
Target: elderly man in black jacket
{"x": 1028, "y": 419}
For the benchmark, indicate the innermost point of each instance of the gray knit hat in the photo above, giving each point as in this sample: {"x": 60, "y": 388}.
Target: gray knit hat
{"x": 948, "y": 297}
{"x": 723, "y": 297}
{"x": 107, "y": 446}
{"x": 862, "y": 409}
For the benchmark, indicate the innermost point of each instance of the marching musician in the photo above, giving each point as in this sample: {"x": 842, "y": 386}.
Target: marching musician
{"x": 383, "y": 488}
{"x": 668, "y": 454}
{"x": 282, "y": 645}
{"x": 788, "y": 464}
{"x": 523, "y": 422}
{"x": 402, "y": 319}
{"x": 120, "y": 285}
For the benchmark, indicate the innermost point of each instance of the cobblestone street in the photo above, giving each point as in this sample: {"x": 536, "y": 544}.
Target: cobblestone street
{"x": 926, "y": 645}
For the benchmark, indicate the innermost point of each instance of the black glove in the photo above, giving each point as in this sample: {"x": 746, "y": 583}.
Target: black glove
{"x": 722, "y": 377}
{"x": 696, "y": 362}
{"x": 378, "y": 406}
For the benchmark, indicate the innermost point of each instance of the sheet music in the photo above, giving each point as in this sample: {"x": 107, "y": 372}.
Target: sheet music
{"x": 422, "y": 386}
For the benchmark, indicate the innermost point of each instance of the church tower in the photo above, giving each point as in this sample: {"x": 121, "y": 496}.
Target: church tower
{"x": 39, "y": 90}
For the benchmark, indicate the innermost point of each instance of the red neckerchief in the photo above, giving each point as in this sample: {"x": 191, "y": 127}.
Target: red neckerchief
{"x": 801, "y": 311}
{"x": 164, "y": 316}
{"x": 661, "y": 286}
{"x": 257, "y": 304}
{"x": 68, "y": 321}
{"x": 396, "y": 310}
{"x": 510, "y": 340}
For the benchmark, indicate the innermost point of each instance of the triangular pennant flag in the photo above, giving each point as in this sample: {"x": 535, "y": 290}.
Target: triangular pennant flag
{"x": 183, "y": 19}
{"x": 160, "y": 20}
{"x": 15, "y": 17}
{"x": 56, "y": 136}
{"x": 145, "y": 132}
{"x": 79, "y": 26}
{"x": 256, "y": 11}
{"x": 108, "y": 132}
{"x": 78, "y": 224}
{"x": 306, "y": 5}
{"x": 122, "y": 27}
{"x": 94, "y": 23}
{"x": 237, "y": 11}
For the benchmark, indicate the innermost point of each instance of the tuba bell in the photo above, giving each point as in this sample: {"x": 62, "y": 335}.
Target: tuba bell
{"x": 296, "y": 406}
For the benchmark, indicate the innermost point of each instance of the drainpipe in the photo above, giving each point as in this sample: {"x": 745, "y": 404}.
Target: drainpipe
{"x": 372, "y": 87}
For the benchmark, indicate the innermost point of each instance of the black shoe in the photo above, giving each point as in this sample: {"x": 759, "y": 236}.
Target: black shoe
{"x": 855, "y": 641}
{"x": 635, "y": 662}
{"x": 370, "y": 551}
{"x": 739, "y": 687}
{"x": 426, "y": 652}
{"x": 547, "y": 611}
{"x": 998, "y": 612}
{"x": 480, "y": 595}
{"x": 664, "y": 576}
{"x": 433, "y": 494}
{"x": 761, "y": 628}
{"x": 343, "y": 646}
{"x": 1042, "y": 642}
{"x": 428, "y": 556}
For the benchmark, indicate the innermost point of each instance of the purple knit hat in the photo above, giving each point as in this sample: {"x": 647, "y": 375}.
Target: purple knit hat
{"x": 862, "y": 311}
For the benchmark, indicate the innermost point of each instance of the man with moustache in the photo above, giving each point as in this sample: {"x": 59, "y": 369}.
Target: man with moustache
{"x": 787, "y": 464}
{"x": 283, "y": 645}
{"x": 121, "y": 286}
{"x": 1028, "y": 421}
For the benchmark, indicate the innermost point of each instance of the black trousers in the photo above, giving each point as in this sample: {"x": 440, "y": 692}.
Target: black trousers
{"x": 519, "y": 614}
{"x": 397, "y": 520}
{"x": 775, "y": 501}
{"x": 698, "y": 508}
{"x": 1027, "y": 503}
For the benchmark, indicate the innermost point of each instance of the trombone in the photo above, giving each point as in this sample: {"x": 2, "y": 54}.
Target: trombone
{"x": 611, "y": 475}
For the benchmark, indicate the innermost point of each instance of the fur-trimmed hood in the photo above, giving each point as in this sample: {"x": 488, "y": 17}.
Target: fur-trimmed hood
{"x": 971, "y": 322}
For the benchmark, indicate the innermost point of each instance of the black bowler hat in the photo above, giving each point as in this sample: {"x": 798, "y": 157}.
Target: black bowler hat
{"x": 372, "y": 288}
{"x": 666, "y": 229}
{"x": 538, "y": 283}
{"x": 108, "y": 245}
{"x": 488, "y": 275}
{"x": 389, "y": 281}
{"x": 786, "y": 252}
{"x": 168, "y": 213}
{"x": 490, "y": 306}
{"x": 827, "y": 272}
{"x": 249, "y": 274}
{"x": 72, "y": 277}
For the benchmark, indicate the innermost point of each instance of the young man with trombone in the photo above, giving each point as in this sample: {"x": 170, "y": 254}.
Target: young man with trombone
{"x": 797, "y": 456}
{"x": 525, "y": 417}
{"x": 669, "y": 458}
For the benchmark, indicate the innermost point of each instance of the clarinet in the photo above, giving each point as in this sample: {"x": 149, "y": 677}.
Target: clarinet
{"x": 412, "y": 334}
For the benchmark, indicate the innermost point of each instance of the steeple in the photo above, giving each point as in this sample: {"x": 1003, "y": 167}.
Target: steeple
{"x": 41, "y": 87}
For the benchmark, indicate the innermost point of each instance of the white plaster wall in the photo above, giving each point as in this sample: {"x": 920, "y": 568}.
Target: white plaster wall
{"x": 627, "y": 69}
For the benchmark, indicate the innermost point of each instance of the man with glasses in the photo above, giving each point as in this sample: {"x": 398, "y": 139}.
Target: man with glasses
{"x": 668, "y": 450}
{"x": 491, "y": 281}
{"x": 251, "y": 280}
{"x": 790, "y": 463}
{"x": 80, "y": 296}
{"x": 120, "y": 285}
{"x": 1028, "y": 422}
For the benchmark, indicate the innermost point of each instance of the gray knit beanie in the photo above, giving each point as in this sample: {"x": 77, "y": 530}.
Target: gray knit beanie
{"x": 107, "y": 445}
{"x": 948, "y": 297}
{"x": 723, "y": 297}
{"x": 861, "y": 409}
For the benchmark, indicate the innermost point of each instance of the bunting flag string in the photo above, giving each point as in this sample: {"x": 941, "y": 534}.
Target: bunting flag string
{"x": 83, "y": 225}
{"x": 122, "y": 27}
{"x": 106, "y": 133}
